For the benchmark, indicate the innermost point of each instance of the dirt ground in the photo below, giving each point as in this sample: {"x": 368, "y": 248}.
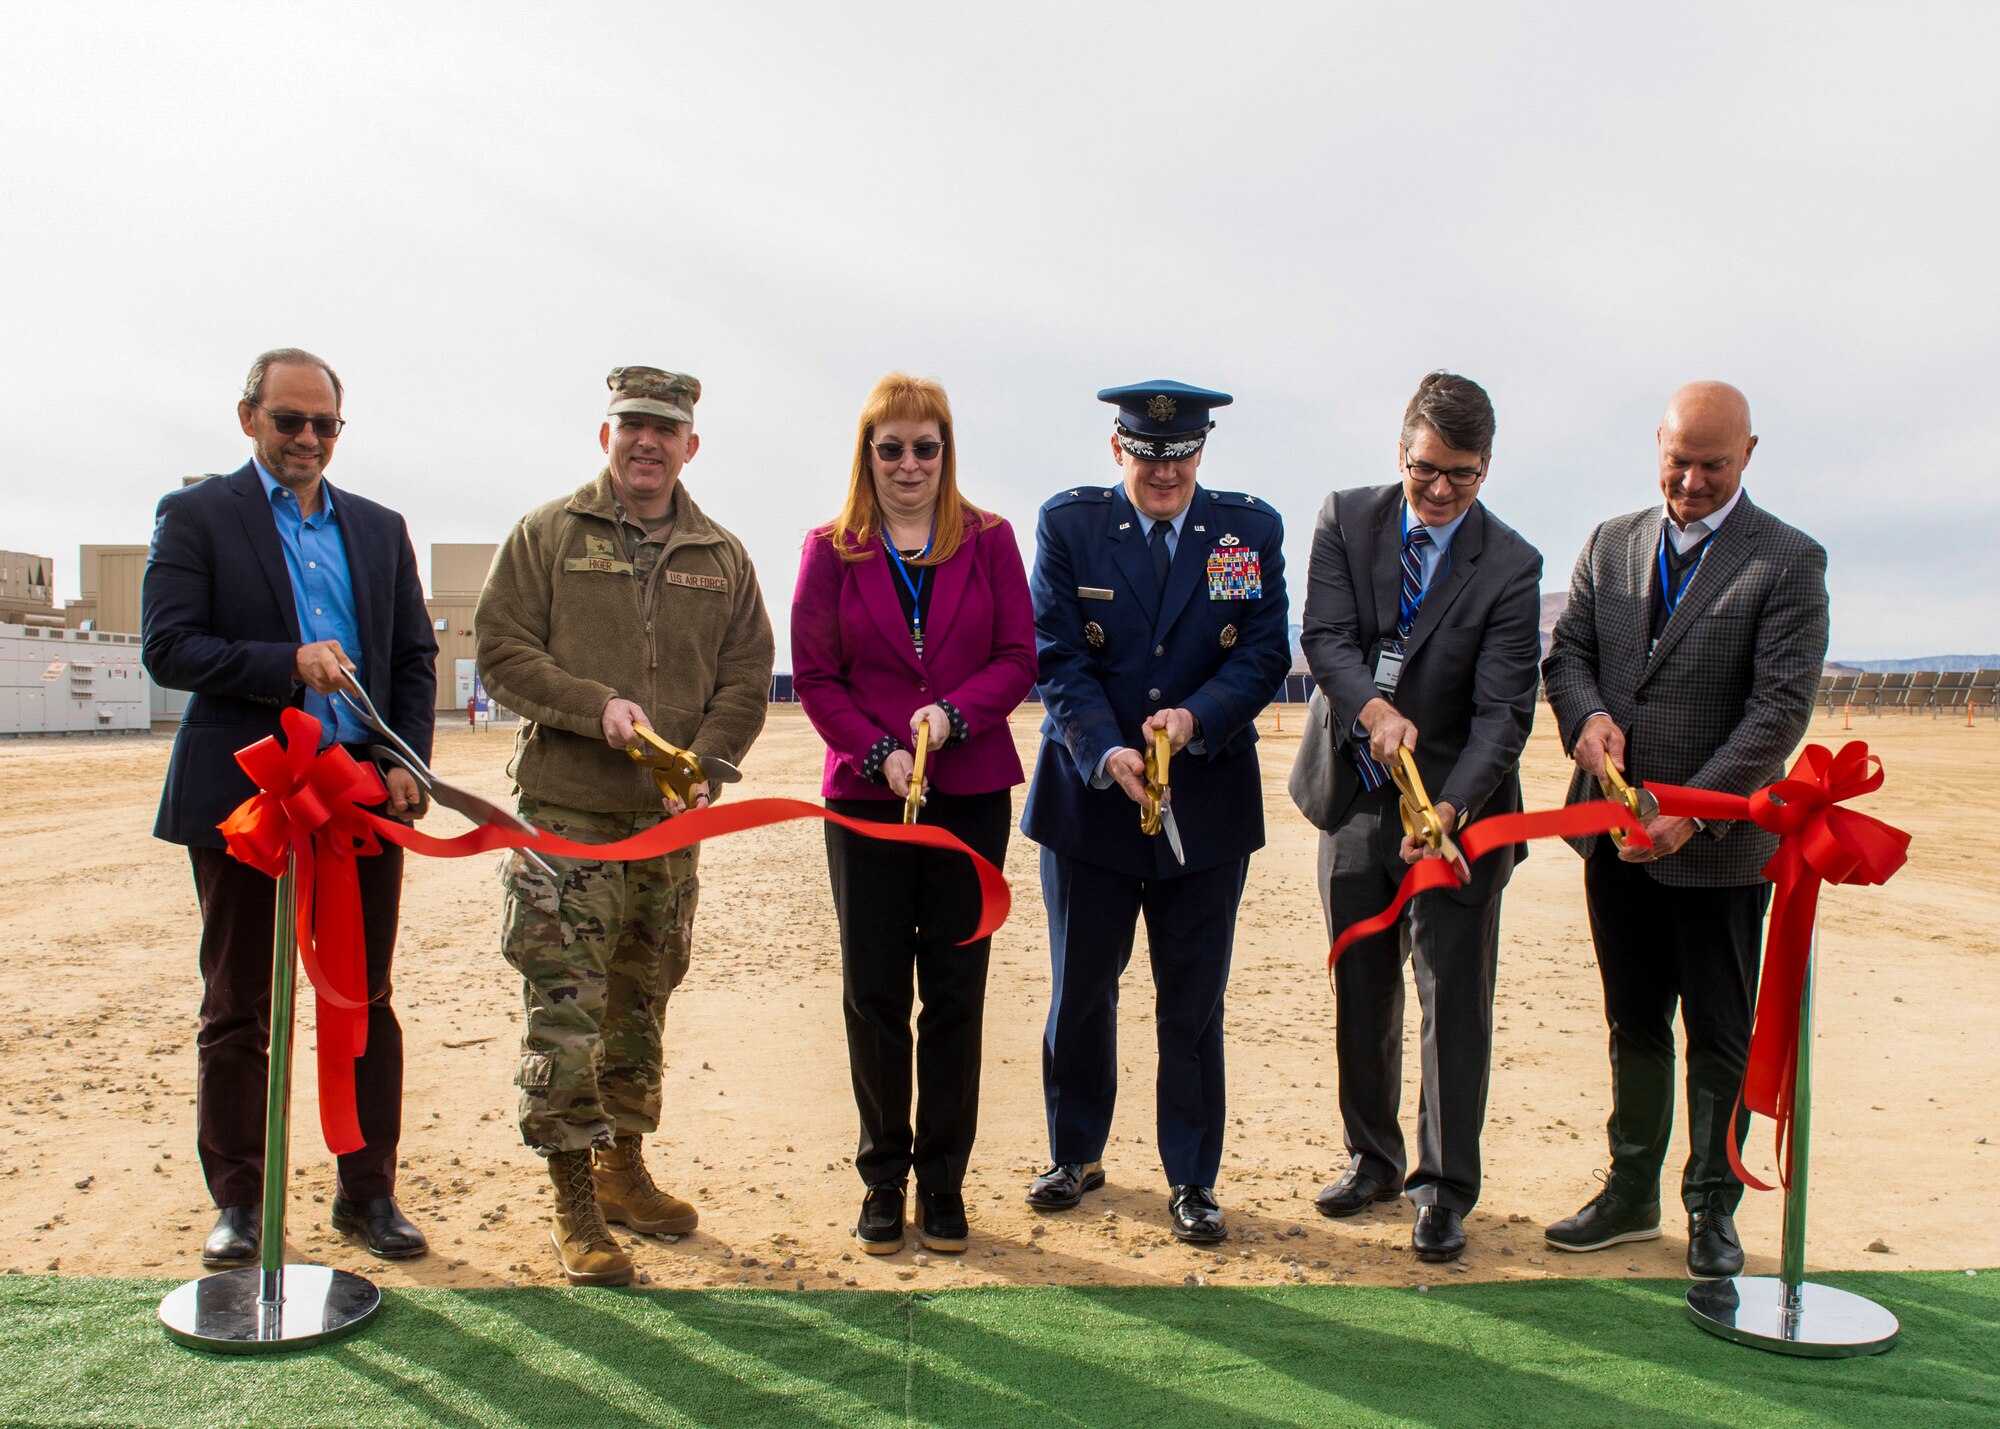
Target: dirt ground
{"x": 98, "y": 991}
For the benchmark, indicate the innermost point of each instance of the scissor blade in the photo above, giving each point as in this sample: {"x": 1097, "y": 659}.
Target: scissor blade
{"x": 1172, "y": 830}
{"x": 464, "y": 801}
{"x": 717, "y": 770}
{"x": 1449, "y": 847}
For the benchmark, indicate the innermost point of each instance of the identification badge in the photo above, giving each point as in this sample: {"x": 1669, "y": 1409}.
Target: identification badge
{"x": 1093, "y": 592}
{"x": 1388, "y": 668}
{"x": 1234, "y": 572}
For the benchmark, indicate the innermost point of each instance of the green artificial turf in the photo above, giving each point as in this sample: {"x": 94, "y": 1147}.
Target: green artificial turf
{"x": 1575, "y": 1352}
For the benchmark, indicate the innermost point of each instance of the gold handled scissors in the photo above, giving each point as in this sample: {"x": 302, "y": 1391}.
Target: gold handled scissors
{"x": 1156, "y": 814}
{"x": 1639, "y": 802}
{"x": 914, "y": 800}
{"x": 1421, "y": 820}
{"x": 675, "y": 770}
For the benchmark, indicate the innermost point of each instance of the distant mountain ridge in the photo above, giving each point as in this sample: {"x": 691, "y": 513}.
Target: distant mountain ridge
{"x": 1922, "y": 662}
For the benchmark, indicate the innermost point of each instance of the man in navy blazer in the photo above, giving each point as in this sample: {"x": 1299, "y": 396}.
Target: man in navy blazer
{"x": 1158, "y": 605}
{"x": 261, "y": 588}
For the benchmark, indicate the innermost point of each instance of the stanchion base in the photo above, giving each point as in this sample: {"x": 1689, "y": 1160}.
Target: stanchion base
{"x": 221, "y": 1313}
{"x": 1827, "y": 1324}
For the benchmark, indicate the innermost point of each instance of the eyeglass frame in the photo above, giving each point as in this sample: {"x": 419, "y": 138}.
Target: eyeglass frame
{"x": 278, "y": 419}
{"x": 1459, "y": 476}
{"x": 909, "y": 447}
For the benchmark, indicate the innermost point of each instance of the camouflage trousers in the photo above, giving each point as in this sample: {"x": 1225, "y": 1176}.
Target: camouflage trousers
{"x": 600, "y": 949}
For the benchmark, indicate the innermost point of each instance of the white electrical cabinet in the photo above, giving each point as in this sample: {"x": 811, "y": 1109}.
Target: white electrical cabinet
{"x": 71, "y": 682}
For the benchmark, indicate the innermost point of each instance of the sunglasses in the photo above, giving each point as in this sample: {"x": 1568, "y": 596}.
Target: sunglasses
{"x": 893, "y": 451}
{"x": 290, "y": 424}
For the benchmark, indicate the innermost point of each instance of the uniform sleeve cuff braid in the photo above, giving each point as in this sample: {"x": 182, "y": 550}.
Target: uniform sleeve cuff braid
{"x": 871, "y": 767}
{"x": 960, "y": 731}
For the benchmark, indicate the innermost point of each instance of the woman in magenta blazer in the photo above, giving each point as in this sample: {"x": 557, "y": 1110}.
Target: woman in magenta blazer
{"x": 912, "y": 607}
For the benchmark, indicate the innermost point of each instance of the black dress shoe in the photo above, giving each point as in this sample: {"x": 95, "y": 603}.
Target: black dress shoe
{"x": 1197, "y": 1219}
{"x": 237, "y": 1239}
{"x": 880, "y": 1228}
{"x": 1064, "y": 1184}
{"x": 1606, "y": 1219}
{"x": 384, "y": 1230}
{"x": 1714, "y": 1252}
{"x": 941, "y": 1221}
{"x": 1354, "y": 1192}
{"x": 1439, "y": 1234}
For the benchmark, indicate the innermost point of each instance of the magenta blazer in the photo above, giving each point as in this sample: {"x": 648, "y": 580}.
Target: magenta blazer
{"x": 859, "y": 677}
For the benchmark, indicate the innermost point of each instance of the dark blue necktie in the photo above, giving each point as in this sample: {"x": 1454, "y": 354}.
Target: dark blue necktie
{"x": 1408, "y": 599}
{"x": 1162, "y": 558}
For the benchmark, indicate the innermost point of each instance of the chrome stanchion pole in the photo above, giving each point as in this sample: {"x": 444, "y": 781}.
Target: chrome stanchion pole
{"x": 273, "y": 1306}
{"x": 1790, "y": 1314}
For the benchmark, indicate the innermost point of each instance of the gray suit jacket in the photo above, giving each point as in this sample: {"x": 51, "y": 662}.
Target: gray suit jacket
{"x": 1727, "y": 694}
{"x": 1468, "y": 678}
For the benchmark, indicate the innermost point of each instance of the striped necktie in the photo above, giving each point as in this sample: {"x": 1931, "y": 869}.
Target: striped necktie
{"x": 1408, "y": 599}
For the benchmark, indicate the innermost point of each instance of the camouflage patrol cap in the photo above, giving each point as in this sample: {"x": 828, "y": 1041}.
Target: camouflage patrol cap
{"x": 648, "y": 389}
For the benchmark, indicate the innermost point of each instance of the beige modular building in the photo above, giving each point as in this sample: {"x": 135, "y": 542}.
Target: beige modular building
{"x": 458, "y": 572}
{"x": 102, "y": 634}
{"x": 27, "y": 589}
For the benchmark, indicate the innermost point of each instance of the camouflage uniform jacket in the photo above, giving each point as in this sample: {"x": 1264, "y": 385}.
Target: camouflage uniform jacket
{"x": 567, "y": 623}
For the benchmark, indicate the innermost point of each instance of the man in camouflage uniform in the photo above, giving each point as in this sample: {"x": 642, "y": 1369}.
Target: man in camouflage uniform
{"x": 617, "y": 606}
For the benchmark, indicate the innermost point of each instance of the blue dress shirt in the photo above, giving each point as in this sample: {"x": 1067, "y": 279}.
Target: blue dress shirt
{"x": 323, "y": 591}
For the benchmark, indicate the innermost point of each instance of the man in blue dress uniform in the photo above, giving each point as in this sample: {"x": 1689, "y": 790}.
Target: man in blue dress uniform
{"x": 1158, "y": 605}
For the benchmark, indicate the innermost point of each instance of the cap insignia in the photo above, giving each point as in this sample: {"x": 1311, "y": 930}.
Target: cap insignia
{"x": 1161, "y": 408}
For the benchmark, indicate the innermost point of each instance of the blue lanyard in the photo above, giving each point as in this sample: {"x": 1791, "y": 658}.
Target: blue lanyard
{"x": 1669, "y": 592}
{"x": 915, "y": 587}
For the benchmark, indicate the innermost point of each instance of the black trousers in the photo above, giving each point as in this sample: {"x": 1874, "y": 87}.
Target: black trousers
{"x": 902, "y": 913}
{"x": 1657, "y": 947}
{"x": 1454, "y": 947}
{"x": 232, "y": 1045}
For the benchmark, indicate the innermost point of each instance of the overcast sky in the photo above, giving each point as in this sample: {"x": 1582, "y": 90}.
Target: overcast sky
{"x": 474, "y": 212}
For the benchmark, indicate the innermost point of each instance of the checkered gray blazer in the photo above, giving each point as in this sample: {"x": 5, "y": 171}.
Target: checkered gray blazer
{"x": 1727, "y": 694}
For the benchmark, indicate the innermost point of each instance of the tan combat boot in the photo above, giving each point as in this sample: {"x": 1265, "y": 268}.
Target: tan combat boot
{"x": 626, "y": 1191}
{"x": 583, "y": 1242}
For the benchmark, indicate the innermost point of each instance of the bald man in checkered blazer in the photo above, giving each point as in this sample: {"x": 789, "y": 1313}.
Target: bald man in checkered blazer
{"x": 1689, "y": 653}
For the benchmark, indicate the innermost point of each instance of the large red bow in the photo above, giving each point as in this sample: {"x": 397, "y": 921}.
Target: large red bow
{"x": 1818, "y": 842}
{"x": 309, "y": 808}
{"x": 308, "y": 813}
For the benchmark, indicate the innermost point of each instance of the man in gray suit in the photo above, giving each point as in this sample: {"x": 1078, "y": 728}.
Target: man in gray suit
{"x": 1689, "y": 653}
{"x": 1422, "y": 625}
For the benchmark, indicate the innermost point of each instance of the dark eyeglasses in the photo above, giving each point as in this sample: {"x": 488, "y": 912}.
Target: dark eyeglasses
{"x": 1425, "y": 473}
{"x": 290, "y": 424}
{"x": 893, "y": 451}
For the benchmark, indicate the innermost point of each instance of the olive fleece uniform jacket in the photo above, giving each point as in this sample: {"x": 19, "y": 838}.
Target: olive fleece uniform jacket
{"x": 565, "y": 625}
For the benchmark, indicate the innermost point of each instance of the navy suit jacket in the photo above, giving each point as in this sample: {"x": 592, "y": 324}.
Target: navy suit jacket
{"x": 220, "y": 622}
{"x": 1220, "y": 656}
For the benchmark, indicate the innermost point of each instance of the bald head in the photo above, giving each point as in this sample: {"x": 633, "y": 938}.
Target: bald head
{"x": 1705, "y": 442}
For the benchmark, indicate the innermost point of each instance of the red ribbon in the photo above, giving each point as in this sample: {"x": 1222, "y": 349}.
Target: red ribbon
{"x": 1480, "y": 839}
{"x": 309, "y": 807}
{"x": 308, "y": 811}
{"x": 1818, "y": 842}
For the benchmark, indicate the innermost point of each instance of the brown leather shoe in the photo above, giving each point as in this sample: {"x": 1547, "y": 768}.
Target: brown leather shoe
{"x": 627, "y": 1195}
{"x": 583, "y": 1242}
